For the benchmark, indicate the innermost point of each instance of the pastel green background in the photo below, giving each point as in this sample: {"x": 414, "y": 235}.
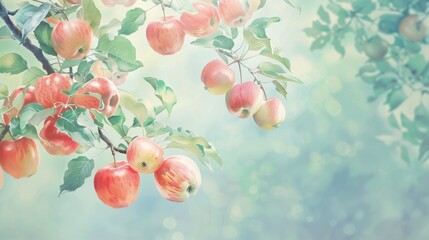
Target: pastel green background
{"x": 323, "y": 174}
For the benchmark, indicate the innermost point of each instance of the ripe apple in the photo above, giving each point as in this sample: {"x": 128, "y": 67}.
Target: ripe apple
{"x": 111, "y": 3}
{"x": 54, "y": 141}
{"x": 218, "y": 77}
{"x": 271, "y": 114}
{"x": 29, "y": 97}
{"x": 107, "y": 92}
{"x": 74, "y": 1}
{"x": 244, "y": 99}
{"x": 144, "y": 155}
{"x": 165, "y": 36}
{"x": 72, "y": 39}
{"x": 412, "y": 28}
{"x": 117, "y": 186}
{"x": 19, "y": 158}
{"x": 203, "y": 23}
{"x": 233, "y": 13}
{"x": 375, "y": 48}
{"x": 49, "y": 90}
{"x": 178, "y": 178}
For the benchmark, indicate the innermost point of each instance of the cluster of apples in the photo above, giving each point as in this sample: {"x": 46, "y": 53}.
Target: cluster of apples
{"x": 176, "y": 177}
{"x": 167, "y": 35}
{"x": 243, "y": 99}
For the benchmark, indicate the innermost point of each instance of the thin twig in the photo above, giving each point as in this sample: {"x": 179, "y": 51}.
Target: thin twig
{"x": 109, "y": 143}
{"x": 4, "y": 132}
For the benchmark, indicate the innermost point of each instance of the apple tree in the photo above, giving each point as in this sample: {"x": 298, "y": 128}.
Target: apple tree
{"x": 68, "y": 100}
{"x": 393, "y": 35}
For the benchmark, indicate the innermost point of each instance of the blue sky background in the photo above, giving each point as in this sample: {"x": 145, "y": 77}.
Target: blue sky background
{"x": 323, "y": 174}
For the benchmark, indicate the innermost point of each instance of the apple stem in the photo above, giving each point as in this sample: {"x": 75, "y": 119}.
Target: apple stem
{"x": 163, "y": 8}
{"x": 17, "y": 33}
{"x": 4, "y": 132}
{"x": 239, "y": 69}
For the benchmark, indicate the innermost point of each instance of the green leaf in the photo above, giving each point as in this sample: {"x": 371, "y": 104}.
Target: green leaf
{"x": 395, "y": 98}
{"x": 84, "y": 69}
{"x": 255, "y": 34}
{"x": 121, "y": 51}
{"x": 157, "y": 129}
{"x": 117, "y": 121}
{"x": 424, "y": 150}
{"x": 79, "y": 125}
{"x": 70, "y": 63}
{"x": 320, "y": 42}
{"x": 12, "y": 63}
{"x": 294, "y": 4}
{"x": 43, "y": 35}
{"x": 133, "y": 20}
{"x": 277, "y": 55}
{"x": 134, "y": 105}
{"x": 31, "y": 75}
{"x": 363, "y": 7}
{"x": 389, "y": 23}
{"x": 417, "y": 64}
{"x": 106, "y": 28}
{"x": 163, "y": 92}
{"x": 78, "y": 170}
{"x": 5, "y": 33}
{"x": 276, "y": 72}
{"x": 198, "y": 146}
{"x": 91, "y": 14}
{"x": 338, "y": 47}
{"x": 324, "y": 15}
{"x": 405, "y": 155}
{"x": 281, "y": 87}
{"x": 4, "y": 91}
{"x": 220, "y": 41}
{"x": 30, "y": 16}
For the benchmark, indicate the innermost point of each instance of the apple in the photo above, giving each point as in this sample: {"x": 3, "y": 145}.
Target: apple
{"x": 218, "y": 77}
{"x": 271, "y": 114}
{"x": 233, "y": 13}
{"x": 29, "y": 97}
{"x": 165, "y": 36}
{"x": 375, "y": 48}
{"x": 89, "y": 95}
{"x": 19, "y": 158}
{"x": 411, "y": 28}
{"x": 74, "y": 1}
{"x": 144, "y": 155}
{"x": 49, "y": 90}
{"x": 72, "y": 39}
{"x": 54, "y": 141}
{"x": 244, "y": 99}
{"x": 178, "y": 178}
{"x": 203, "y": 23}
{"x": 117, "y": 186}
{"x": 126, "y": 3}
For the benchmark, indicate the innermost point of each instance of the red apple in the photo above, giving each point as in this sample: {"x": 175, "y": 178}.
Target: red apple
{"x": 74, "y": 1}
{"x": 54, "y": 141}
{"x": 271, "y": 114}
{"x": 107, "y": 91}
{"x": 412, "y": 28}
{"x": 218, "y": 77}
{"x": 203, "y": 23}
{"x": 165, "y": 36}
{"x": 144, "y": 155}
{"x": 19, "y": 158}
{"x": 117, "y": 186}
{"x": 178, "y": 178}
{"x": 72, "y": 39}
{"x": 233, "y": 13}
{"x": 29, "y": 97}
{"x": 244, "y": 99}
{"x": 49, "y": 90}
{"x": 126, "y": 3}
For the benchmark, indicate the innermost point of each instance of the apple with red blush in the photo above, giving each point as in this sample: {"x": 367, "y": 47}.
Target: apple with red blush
{"x": 144, "y": 155}
{"x": 165, "y": 36}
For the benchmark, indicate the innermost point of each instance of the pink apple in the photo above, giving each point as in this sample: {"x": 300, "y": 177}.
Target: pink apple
{"x": 412, "y": 28}
{"x": 271, "y": 114}
{"x": 218, "y": 77}
{"x": 203, "y": 23}
{"x": 72, "y": 39}
{"x": 19, "y": 158}
{"x": 178, "y": 178}
{"x": 85, "y": 96}
{"x": 244, "y": 99}
{"x": 233, "y": 12}
{"x": 74, "y": 1}
{"x": 117, "y": 186}
{"x": 54, "y": 141}
{"x": 126, "y": 3}
{"x": 12, "y": 112}
{"x": 49, "y": 90}
{"x": 165, "y": 36}
{"x": 144, "y": 155}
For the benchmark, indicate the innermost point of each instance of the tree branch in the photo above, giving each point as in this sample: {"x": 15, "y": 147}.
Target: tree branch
{"x": 109, "y": 143}
{"x": 4, "y": 132}
{"x": 16, "y": 32}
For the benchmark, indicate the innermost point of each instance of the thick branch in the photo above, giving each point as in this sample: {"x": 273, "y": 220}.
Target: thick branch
{"x": 37, "y": 52}
{"x": 109, "y": 143}
{"x": 4, "y": 132}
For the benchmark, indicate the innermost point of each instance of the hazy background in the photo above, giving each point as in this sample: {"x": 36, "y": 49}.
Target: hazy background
{"x": 323, "y": 174}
